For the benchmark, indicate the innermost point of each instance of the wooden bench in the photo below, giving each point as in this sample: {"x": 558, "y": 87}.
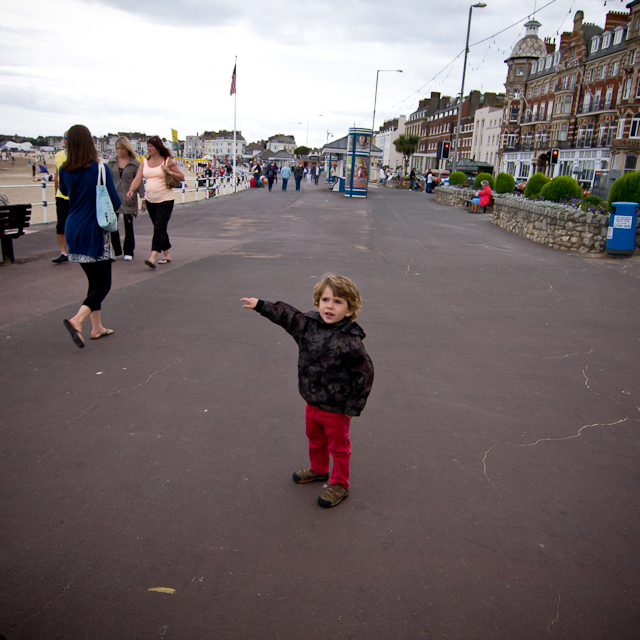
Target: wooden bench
{"x": 467, "y": 203}
{"x": 14, "y": 218}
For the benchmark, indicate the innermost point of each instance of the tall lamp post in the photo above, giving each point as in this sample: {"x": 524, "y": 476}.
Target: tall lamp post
{"x": 375, "y": 99}
{"x": 456, "y": 154}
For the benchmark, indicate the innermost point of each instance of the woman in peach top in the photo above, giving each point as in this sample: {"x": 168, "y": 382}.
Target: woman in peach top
{"x": 155, "y": 167}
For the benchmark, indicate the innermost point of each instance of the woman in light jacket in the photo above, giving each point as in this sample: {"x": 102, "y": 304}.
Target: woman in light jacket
{"x": 124, "y": 166}
{"x": 159, "y": 198}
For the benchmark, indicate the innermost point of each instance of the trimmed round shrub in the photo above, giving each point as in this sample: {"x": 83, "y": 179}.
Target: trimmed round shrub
{"x": 626, "y": 188}
{"x": 505, "y": 183}
{"x": 457, "y": 178}
{"x": 561, "y": 188}
{"x": 477, "y": 183}
{"x": 535, "y": 184}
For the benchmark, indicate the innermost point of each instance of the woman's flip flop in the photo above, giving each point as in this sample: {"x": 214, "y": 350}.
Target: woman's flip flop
{"x": 108, "y": 332}
{"x": 165, "y": 261}
{"x": 151, "y": 265}
{"x": 75, "y": 334}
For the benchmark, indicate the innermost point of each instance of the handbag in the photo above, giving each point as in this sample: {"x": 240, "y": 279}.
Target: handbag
{"x": 105, "y": 215}
{"x": 171, "y": 181}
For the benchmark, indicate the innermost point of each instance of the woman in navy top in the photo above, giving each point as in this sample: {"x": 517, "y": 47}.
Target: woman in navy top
{"x": 88, "y": 243}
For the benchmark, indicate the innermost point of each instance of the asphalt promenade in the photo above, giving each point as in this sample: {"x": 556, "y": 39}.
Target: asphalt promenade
{"x": 145, "y": 481}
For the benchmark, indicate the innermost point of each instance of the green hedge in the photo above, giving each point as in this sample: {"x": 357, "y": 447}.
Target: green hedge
{"x": 535, "y": 184}
{"x": 561, "y": 188}
{"x": 505, "y": 183}
{"x": 457, "y": 178}
{"x": 484, "y": 176}
{"x": 626, "y": 188}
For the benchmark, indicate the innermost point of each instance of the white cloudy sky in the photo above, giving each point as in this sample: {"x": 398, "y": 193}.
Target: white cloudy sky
{"x": 153, "y": 65}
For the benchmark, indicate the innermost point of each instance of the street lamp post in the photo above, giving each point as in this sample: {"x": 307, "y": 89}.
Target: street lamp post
{"x": 375, "y": 99}
{"x": 456, "y": 155}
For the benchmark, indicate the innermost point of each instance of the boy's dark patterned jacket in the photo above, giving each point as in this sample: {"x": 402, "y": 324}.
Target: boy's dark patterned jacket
{"x": 335, "y": 373}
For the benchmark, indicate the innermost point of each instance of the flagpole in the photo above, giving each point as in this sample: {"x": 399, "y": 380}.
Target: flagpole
{"x": 235, "y": 100}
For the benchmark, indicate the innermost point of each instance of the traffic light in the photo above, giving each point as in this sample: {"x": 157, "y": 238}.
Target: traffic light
{"x": 554, "y": 156}
{"x": 445, "y": 149}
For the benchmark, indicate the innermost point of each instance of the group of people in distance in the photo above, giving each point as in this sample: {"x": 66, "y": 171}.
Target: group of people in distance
{"x": 80, "y": 237}
{"x": 269, "y": 174}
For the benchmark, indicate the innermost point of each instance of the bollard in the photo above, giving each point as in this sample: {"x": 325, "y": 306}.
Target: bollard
{"x": 184, "y": 188}
{"x": 196, "y": 191}
{"x": 44, "y": 200}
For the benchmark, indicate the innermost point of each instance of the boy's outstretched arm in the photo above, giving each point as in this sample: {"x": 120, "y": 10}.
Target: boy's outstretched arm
{"x": 251, "y": 303}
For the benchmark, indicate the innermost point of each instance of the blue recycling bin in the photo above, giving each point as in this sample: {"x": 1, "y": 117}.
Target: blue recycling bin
{"x": 621, "y": 235}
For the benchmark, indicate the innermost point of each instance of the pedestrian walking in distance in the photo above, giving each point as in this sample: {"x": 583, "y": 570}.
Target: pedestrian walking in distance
{"x": 335, "y": 375}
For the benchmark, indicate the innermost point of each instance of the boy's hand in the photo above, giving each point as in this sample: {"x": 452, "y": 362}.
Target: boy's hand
{"x": 251, "y": 303}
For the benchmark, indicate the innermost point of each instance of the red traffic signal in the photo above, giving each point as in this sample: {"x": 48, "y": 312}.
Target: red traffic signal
{"x": 554, "y": 156}
{"x": 445, "y": 149}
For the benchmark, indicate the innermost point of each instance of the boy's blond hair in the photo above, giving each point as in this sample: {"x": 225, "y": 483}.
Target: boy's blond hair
{"x": 342, "y": 287}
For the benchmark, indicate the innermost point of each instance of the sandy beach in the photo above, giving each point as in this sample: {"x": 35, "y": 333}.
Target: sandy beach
{"x": 17, "y": 183}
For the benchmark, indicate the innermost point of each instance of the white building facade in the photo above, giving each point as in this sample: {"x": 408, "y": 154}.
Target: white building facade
{"x": 486, "y": 135}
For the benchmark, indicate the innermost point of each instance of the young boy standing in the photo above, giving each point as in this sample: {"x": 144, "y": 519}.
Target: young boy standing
{"x": 335, "y": 375}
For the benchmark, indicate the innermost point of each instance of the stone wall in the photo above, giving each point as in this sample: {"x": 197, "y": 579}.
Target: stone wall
{"x": 548, "y": 223}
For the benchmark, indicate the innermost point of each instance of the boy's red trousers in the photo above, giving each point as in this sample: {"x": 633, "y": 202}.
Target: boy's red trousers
{"x": 328, "y": 434}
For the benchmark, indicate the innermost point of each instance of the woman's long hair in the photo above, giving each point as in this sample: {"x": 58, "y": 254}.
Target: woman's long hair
{"x": 157, "y": 143}
{"x": 81, "y": 151}
{"x": 124, "y": 143}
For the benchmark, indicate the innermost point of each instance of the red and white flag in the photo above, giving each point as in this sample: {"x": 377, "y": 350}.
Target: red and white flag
{"x": 233, "y": 81}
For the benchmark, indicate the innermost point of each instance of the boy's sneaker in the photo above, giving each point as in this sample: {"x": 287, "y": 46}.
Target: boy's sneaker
{"x": 60, "y": 259}
{"x": 333, "y": 496}
{"x": 309, "y": 475}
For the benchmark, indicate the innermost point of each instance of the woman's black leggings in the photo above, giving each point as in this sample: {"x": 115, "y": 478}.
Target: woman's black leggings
{"x": 160, "y": 212}
{"x": 99, "y": 277}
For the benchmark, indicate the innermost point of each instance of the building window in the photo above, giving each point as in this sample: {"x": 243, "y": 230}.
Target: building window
{"x": 534, "y": 66}
{"x": 630, "y": 163}
{"x": 550, "y": 110}
{"x": 606, "y": 41}
{"x": 542, "y": 106}
{"x": 556, "y": 59}
{"x": 614, "y": 68}
{"x": 596, "y": 100}
{"x": 634, "y": 132}
{"x": 632, "y": 57}
{"x": 549, "y": 61}
{"x": 511, "y": 140}
{"x": 602, "y": 136}
{"x": 587, "y": 103}
{"x": 603, "y": 72}
{"x": 620, "y": 129}
{"x": 588, "y": 138}
{"x": 608, "y": 98}
{"x": 617, "y": 36}
{"x": 567, "y": 104}
{"x": 572, "y": 83}
{"x": 546, "y": 88}
{"x": 590, "y": 75}
{"x": 595, "y": 44}
{"x": 514, "y": 114}
{"x": 563, "y": 131}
